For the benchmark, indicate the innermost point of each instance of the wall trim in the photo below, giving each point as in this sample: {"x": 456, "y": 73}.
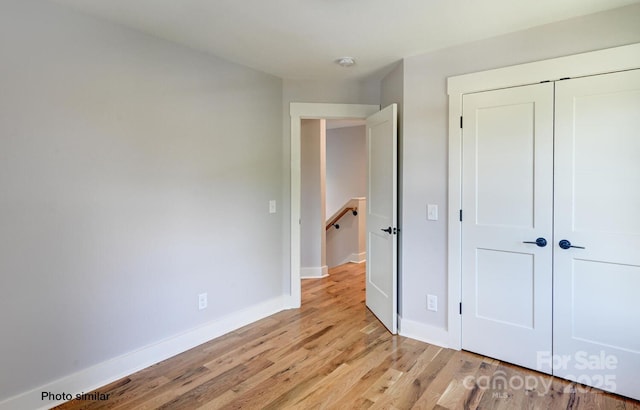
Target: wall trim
{"x": 111, "y": 370}
{"x": 425, "y": 333}
{"x": 315, "y": 272}
{"x": 577, "y": 65}
{"x": 358, "y": 257}
{"x": 297, "y": 112}
{"x": 354, "y": 258}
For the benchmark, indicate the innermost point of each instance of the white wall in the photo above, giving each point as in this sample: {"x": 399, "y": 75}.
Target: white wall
{"x": 337, "y": 92}
{"x": 312, "y": 201}
{"x": 424, "y": 137}
{"x": 346, "y": 166}
{"x": 134, "y": 175}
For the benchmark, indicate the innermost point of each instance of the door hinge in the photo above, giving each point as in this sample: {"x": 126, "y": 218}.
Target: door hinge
{"x": 461, "y": 215}
{"x": 461, "y": 122}
{"x": 460, "y": 307}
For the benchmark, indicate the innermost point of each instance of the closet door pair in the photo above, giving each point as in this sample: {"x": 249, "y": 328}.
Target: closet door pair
{"x": 551, "y": 228}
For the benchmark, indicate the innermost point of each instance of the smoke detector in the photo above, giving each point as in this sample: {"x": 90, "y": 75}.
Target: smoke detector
{"x": 346, "y": 61}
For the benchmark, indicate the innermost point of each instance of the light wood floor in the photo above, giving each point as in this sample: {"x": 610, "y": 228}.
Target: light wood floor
{"x": 333, "y": 353}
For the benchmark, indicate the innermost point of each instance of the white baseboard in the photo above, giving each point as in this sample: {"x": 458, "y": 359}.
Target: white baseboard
{"x": 314, "y": 272}
{"x": 111, "y": 370}
{"x": 358, "y": 257}
{"x": 290, "y": 302}
{"x": 425, "y": 333}
{"x": 353, "y": 258}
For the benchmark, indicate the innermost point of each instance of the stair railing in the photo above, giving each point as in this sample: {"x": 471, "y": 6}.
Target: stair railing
{"x": 342, "y": 212}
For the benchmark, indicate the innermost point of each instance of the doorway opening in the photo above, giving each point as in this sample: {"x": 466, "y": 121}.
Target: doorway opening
{"x": 333, "y": 195}
{"x": 298, "y": 112}
{"x": 381, "y": 210}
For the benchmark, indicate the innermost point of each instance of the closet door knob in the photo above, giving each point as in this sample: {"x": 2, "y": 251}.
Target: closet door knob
{"x": 565, "y": 244}
{"x": 541, "y": 242}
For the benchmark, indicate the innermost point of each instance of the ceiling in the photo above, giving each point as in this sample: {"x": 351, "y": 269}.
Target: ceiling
{"x": 300, "y": 39}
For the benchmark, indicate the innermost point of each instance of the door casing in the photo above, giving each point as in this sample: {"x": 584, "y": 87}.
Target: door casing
{"x": 578, "y": 65}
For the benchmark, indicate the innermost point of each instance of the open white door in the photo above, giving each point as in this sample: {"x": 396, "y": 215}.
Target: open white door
{"x": 382, "y": 216}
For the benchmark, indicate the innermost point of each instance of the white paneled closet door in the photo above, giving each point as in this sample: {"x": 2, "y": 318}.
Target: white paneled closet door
{"x": 507, "y": 198}
{"x": 596, "y": 320}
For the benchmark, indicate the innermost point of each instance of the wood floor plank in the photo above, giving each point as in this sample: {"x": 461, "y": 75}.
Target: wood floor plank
{"x": 380, "y": 386}
{"x": 476, "y": 385}
{"x": 308, "y": 384}
{"x": 334, "y": 386}
{"x": 393, "y": 361}
{"x": 456, "y": 391}
{"x": 420, "y": 392}
{"x": 333, "y": 353}
{"x": 258, "y": 392}
{"x": 168, "y": 392}
{"x": 411, "y": 386}
{"x": 216, "y": 386}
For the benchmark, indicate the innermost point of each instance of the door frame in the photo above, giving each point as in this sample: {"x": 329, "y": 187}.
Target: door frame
{"x": 298, "y": 112}
{"x": 577, "y": 65}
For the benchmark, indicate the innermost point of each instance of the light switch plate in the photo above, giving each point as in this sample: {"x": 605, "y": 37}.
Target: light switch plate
{"x": 432, "y": 212}
{"x": 272, "y": 206}
{"x": 432, "y": 303}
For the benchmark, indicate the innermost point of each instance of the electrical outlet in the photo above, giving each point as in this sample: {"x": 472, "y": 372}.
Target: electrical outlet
{"x": 202, "y": 301}
{"x": 432, "y": 303}
{"x": 272, "y": 206}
